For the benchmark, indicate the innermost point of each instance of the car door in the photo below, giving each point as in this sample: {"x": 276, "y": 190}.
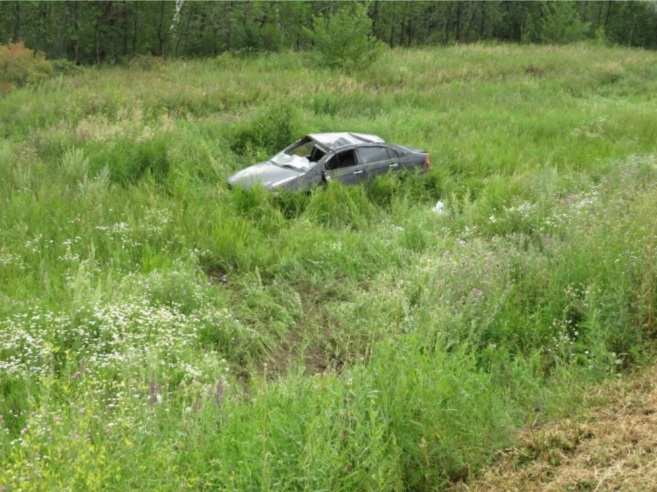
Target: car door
{"x": 377, "y": 159}
{"x": 345, "y": 167}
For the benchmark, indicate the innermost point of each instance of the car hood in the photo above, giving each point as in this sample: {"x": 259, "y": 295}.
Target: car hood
{"x": 266, "y": 174}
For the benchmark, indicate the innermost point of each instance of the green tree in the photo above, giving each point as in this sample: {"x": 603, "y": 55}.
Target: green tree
{"x": 560, "y": 23}
{"x": 343, "y": 33}
{"x": 344, "y": 39}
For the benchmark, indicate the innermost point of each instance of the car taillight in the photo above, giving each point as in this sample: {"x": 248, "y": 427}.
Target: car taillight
{"x": 427, "y": 161}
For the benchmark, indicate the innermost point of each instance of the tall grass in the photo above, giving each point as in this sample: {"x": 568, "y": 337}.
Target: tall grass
{"x": 160, "y": 331}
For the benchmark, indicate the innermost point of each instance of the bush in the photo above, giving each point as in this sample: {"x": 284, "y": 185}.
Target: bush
{"x": 560, "y": 23}
{"x": 20, "y": 66}
{"x": 341, "y": 206}
{"x": 75, "y": 165}
{"x": 146, "y": 62}
{"x": 268, "y": 132}
{"x": 128, "y": 161}
{"x": 180, "y": 289}
{"x": 255, "y": 205}
{"x": 65, "y": 67}
{"x": 344, "y": 39}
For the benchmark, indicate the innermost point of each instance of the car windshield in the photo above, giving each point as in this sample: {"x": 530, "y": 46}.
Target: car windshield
{"x": 300, "y": 156}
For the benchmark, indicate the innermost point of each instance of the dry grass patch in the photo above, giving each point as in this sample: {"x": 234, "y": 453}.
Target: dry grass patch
{"x": 612, "y": 447}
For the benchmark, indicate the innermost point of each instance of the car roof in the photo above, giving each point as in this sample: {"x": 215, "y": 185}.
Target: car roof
{"x": 342, "y": 139}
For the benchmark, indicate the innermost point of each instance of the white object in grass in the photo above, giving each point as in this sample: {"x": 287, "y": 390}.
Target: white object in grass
{"x": 439, "y": 208}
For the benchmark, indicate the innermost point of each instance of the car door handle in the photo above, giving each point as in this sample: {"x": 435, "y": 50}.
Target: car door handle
{"x": 360, "y": 171}
{"x": 394, "y": 164}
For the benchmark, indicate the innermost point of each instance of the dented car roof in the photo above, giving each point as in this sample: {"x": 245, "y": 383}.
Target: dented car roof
{"x": 342, "y": 139}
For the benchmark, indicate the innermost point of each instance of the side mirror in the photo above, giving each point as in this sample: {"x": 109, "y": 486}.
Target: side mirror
{"x": 325, "y": 176}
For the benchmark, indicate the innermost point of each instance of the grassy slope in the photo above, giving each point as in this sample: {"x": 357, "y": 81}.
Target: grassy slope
{"x": 161, "y": 331}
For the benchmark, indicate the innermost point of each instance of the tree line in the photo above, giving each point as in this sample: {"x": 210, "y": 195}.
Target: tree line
{"x": 109, "y": 31}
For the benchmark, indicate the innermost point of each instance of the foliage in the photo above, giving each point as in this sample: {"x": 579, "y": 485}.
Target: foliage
{"x": 64, "y": 66}
{"x": 129, "y": 161}
{"x": 600, "y": 37}
{"x": 561, "y": 24}
{"x": 267, "y": 132}
{"x": 111, "y": 32}
{"x": 344, "y": 39}
{"x": 159, "y": 330}
{"x": 145, "y": 62}
{"x": 20, "y": 65}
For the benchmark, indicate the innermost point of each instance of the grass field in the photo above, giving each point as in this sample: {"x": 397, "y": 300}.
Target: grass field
{"x": 159, "y": 331}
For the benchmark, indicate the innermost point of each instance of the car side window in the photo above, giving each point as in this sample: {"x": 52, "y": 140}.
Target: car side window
{"x": 342, "y": 159}
{"x": 373, "y": 154}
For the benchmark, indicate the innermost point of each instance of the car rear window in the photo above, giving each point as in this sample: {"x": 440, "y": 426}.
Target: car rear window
{"x": 373, "y": 154}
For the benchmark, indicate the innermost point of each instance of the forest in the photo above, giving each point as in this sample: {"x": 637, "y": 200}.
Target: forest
{"x": 109, "y": 31}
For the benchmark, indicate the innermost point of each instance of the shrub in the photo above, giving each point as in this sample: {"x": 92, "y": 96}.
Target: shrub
{"x": 180, "y": 289}
{"x": 65, "y": 67}
{"x": 560, "y": 23}
{"x": 20, "y": 65}
{"x": 291, "y": 204}
{"x": 128, "y": 161}
{"x": 341, "y": 206}
{"x": 268, "y": 132}
{"x": 384, "y": 189}
{"x": 344, "y": 39}
{"x": 145, "y": 62}
{"x": 256, "y": 205}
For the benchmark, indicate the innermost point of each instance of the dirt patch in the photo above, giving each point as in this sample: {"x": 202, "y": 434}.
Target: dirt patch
{"x": 316, "y": 340}
{"x": 535, "y": 71}
{"x": 308, "y": 342}
{"x": 612, "y": 447}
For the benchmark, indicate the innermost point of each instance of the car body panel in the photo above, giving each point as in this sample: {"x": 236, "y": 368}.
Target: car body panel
{"x": 337, "y": 140}
{"x": 353, "y": 173}
{"x": 380, "y": 164}
{"x": 347, "y": 175}
{"x": 267, "y": 174}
